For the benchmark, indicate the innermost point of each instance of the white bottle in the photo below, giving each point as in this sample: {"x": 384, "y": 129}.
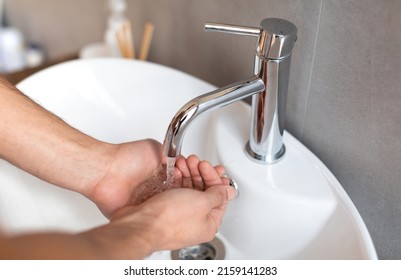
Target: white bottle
{"x": 12, "y": 50}
{"x": 116, "y": 18}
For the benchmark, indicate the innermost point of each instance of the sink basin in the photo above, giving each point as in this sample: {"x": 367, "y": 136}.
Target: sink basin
{"x": 295, "y": 209}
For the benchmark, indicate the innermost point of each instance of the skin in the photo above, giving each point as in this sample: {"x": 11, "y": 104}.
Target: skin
{"x": 124, "y": 180}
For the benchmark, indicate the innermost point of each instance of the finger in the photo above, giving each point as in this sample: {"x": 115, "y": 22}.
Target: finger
{"x": 187, "y": 183}
{"x": 178, "y": 179}
{"x": 210, "y": 175}
{"x": 220, "y": 170}
{"x": 222, "y": 173}
{"x": 225, "y": 181}
{"x": 182, "y": 165}
{"x": 193, "y": 164}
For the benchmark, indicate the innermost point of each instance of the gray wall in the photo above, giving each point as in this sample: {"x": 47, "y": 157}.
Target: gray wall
{"x": 345, "y": 86}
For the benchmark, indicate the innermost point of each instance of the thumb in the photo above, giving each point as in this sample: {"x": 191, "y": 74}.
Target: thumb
{"x": 219, "y": 195}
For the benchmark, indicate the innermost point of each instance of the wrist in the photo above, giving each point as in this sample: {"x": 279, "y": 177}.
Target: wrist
{"x": 119, "y": 241}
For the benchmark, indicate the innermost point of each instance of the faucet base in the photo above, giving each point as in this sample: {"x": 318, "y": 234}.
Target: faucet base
{"x": 262, "y": 158}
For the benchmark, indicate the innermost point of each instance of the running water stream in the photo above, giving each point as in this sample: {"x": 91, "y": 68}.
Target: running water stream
{"x": 161, "y": 181}
{"x": 170, "y": 164}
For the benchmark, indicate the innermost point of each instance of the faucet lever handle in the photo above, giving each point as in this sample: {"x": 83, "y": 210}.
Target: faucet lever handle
{"x": 233, "y": 29}
{"x": 276, "y": 36}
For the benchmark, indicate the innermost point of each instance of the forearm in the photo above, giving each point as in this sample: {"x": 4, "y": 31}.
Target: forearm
{"x": 42, "y": 144}
{"x": 99, "y": 243}
{"x": 47, "y": 246}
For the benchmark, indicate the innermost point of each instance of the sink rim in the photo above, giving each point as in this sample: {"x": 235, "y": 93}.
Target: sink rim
{"x": 225, "y": 132}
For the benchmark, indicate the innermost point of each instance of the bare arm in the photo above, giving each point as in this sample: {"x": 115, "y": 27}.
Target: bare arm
{"x": 42, "y": 144}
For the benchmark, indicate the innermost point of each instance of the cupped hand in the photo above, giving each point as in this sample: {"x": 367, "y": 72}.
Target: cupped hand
{"x": 130, "y": 165}
{"x": 178, "y": 217}
{"x": 136, "y": 173}
{"x": 189, "y": 173}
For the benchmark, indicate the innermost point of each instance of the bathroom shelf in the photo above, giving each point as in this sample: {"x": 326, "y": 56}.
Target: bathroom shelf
{"x": 16, "y": 77}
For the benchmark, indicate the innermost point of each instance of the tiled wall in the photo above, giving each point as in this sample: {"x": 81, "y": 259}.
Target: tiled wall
{"x": 345, "y": 87}
{"x": 353, "y": 115}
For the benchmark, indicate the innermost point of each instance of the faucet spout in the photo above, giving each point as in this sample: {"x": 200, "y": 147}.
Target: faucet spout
{"x": 204, "y": 103}
{"x": 268, "y": 87}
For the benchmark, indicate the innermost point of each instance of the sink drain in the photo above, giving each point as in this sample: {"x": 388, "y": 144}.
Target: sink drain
{"x": 213, "y": 250}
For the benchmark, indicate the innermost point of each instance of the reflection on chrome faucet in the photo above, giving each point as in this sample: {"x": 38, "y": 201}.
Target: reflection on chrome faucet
{"x": 268, "y": 88}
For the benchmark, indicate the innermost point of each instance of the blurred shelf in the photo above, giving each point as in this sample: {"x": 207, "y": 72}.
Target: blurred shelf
{"x": 18, "y": 76}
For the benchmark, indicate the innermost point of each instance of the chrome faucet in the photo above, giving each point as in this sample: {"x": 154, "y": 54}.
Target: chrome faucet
{"x": 268, "y": 88}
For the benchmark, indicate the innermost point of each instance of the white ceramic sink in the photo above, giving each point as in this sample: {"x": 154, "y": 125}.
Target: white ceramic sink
{"x": 294, "y": 209}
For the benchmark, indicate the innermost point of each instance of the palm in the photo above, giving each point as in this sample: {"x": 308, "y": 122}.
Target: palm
{"x": 133, "y": 164}
{"x": 137, "y": 174}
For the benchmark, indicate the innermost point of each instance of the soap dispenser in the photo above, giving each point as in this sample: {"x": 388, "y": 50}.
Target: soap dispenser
{"x": 115, "y": 20}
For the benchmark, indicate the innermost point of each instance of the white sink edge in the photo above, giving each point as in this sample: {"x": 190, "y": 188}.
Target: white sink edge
{"x": 344, "y": 201}
{"x": 336, "y": 190}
